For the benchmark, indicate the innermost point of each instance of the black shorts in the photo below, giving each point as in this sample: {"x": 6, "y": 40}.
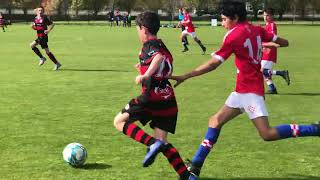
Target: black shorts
{"x": 43, "y": 41}
{"x": 160, "y": 114}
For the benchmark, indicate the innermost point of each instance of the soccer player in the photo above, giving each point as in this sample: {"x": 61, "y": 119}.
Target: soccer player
{"x": 43, "y": 25}
{"x": 269, "y": 56}
{"x": 111, "y": 17}
{"x": 2, "y": 22}
{"x": 181, "y": 17}
{"x": 189, "y": 30}
{"x": 244, "y": 40}
{"x": 157, "y": 103}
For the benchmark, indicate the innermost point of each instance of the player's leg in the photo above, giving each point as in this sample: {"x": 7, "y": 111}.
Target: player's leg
{"x": 186, "y": 37}
{"x": 2, "y": 26}
{"x": 53, "y": 59}
{"x": 173, "y": 156}
{"x": 266, "y": 67}
{"x": 216, "y": 122}
{"x": 284, "y": 74}
{"x": 203, "y": 48}
{"x": 124, "y": 122}
{"x": 269, "y": 133}
{"x": 33, "y": 46}
{"x": 183, "y": 36}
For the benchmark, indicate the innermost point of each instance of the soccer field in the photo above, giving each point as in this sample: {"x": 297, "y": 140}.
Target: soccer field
{"x": 44, "y": 110}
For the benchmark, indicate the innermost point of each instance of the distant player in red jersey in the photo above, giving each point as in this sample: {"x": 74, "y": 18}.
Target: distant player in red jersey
{"x": 189, "y": 30}
{"x": 2, "y": 22}
{"x": 43, "y": 25}
{"x": 244, "y": 40}
{"x": 269, "y": 56}
{"x": 157, "y": 103}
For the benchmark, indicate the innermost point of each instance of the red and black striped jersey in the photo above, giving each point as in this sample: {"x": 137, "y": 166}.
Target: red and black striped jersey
{"x": 158, "y": 87}
{"x": 40, "y": 24}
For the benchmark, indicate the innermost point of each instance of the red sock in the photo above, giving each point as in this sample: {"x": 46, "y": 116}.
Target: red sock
{"x": 136, "y": 133}
{"x": 176, "y": 161}
{"x": 53, "y": 59}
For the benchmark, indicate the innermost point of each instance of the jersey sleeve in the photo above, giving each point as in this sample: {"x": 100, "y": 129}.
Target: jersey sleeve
{"x": 274, "y": 28}
{"x": 48, "y": 21}
{"x": 224, "y": 52}
{"x": 151, "y": 48}
{"x": 268, "y": 36}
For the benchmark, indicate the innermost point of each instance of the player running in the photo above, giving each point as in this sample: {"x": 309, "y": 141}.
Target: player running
{"x": 43, "y": 25}
{"x": 157, "y": 103}
{"x": 269, "y": 56}
{"x": 2, "y": 23}
{"x": 189, "y": 30}
{"x": 244, "y": 40}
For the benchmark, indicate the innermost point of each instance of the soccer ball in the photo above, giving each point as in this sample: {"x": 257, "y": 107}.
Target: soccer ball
{"x": 75, "y": 154}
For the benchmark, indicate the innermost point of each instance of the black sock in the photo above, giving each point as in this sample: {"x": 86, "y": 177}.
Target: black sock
{"x": 200, "y": 43}
{"x": 280, "y": 73}
{"x": 184, "y": 44}
{"x": 53, "y": 59}
{"x": 38, "y": 53}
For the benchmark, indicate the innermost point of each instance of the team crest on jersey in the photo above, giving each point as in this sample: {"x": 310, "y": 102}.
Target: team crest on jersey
{"x": 163, "y": 92}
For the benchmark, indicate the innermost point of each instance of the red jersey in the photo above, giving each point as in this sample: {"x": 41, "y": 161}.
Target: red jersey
{"x": 270, "y": 54}
{"x": 40, "y": 24}
{"x": 158, "y": 87}
{"x": 188, "y": 25}
{"x": 245, "y": 41}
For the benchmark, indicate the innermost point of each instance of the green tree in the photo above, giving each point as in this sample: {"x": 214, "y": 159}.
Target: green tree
{"x": 281, "y": 6}
{"x": 256, "y": 6}
{"x": 127, "y": 5}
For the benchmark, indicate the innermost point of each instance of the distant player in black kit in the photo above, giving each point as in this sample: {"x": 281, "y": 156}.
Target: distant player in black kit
{"x": 2, "y": 22}
{"x": 43, "y": 25}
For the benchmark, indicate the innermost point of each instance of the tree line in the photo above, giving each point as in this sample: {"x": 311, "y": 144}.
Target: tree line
{"x": 72, "y": 7}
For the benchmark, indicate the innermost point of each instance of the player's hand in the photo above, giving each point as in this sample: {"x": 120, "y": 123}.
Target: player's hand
{"x": 178, "y": 79}
{"x": 137, "y": 66}
{"x": 141, "y": 78}
{"x": 46, "y": 31}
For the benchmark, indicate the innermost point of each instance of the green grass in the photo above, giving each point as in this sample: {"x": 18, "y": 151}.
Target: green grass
{"x": 42, "y": 110}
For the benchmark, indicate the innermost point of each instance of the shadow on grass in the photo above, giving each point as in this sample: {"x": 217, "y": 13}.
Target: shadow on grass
{"x": 94, "y": 70}
{"x": 291, "y": 177}
{"x": 96, "y": 166}
{"x": 299, "y": 94}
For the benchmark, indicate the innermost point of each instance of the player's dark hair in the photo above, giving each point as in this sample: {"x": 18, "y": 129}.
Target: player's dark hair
{"x": 150, "y": 20}
{"x": 269, "y": 11}
{"x": 233, "y": 9}
{"x": 186, "y": 9}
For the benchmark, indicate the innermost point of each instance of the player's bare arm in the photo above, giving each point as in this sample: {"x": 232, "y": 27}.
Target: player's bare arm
{"x": 270, "y": 45}
{"x": 202, "y": 69}
{"x": 154, "y": 66}
{"x": 282, "y": 42}
{"x": 49, "y": 28}
{"x": 137, "y": 66}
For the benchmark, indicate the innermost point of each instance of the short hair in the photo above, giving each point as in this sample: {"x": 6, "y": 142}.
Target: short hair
{"x": 150, "y": 20}
{"x": 233, "y": 9}
{"x": 186, "y": 9}
{"x": 39, "y": 7}
{"x": 269, "y": 11}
